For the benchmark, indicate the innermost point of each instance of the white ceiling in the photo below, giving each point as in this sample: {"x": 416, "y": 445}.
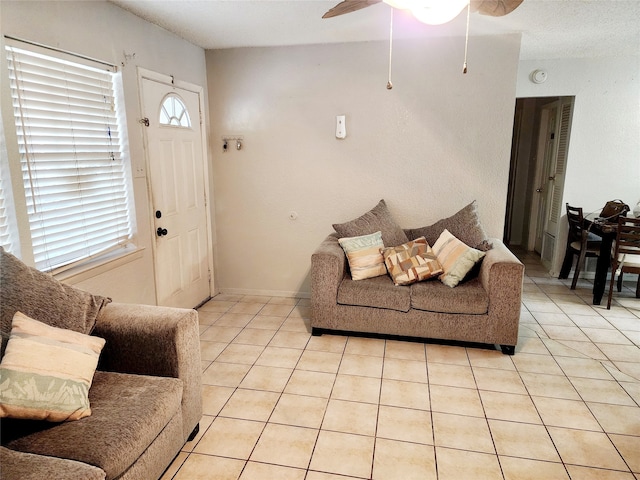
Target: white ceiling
{"x": 550, "y": 28}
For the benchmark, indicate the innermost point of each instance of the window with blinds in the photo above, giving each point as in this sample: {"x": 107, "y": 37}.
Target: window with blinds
{"x": 73, "y": 171}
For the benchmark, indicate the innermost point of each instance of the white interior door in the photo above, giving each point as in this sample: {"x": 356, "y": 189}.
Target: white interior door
{"x": 177, "y": 182}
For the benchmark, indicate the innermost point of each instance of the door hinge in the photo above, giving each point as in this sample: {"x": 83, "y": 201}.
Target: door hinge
{"x": 144, "y": 121}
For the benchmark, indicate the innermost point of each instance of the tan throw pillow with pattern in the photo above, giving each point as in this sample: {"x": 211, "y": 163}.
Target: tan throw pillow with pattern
{"x": 411, "y": 262}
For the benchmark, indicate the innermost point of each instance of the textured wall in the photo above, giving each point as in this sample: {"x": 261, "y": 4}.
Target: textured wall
{"x": 430, "y": 146}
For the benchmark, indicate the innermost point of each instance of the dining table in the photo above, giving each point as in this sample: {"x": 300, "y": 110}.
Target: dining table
{"x": 606, "y": 230}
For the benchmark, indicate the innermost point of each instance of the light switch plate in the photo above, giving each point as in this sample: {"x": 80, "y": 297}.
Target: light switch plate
{"x": 341, "y": 127}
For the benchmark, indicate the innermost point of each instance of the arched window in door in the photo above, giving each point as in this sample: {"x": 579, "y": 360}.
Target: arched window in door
{"x": 174, "y": 112}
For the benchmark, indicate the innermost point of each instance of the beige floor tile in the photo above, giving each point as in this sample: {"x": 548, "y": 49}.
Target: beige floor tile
{"x": 405, "y": 424}
{"x": 266, "y": 322}
{"x": 256, "y": 471}
{"x": 535, "y": 363}
{"x": 588, "y": 449}
{"x": 357, "y": 389}
{"x": 272, "y": 309}
{"x": 220, "y": 334}
{"x": 211, "y": 350}
{"x": 296, "y": 324}
{"x": 214, "y": 397}
{"x": 254, "y": 336}
{"x": 523, "y": 440}
{"x": 279, "y": 357}
{"x": 299, "y": 411}
{"x": 311, "y": 475}
{"x": 344, "y": 454}
{"x": 272, "y": 379}
{"x": 405, "y": 350}
{"x": 407, "y": 370}
{"x": 451, "y": 375}
{"x": 285, "y": 445}
{"x": 461, "y": 464}
{"x": 315, "y": 384}
{"x": 527, "y": 469}
{"x": 562, "y": 349}
{"x": 559, "y": 412}
{"x": 224, "y": 374}
{"x": 328, "y": 343}
{"x": 239, "y": 320}
{"x": 558, "y": 319}
{"x": 230, "y": 437}
{"x": 250, "y": 405}
{"x": 402, "y": 460}
{"x": 263, "y": 299}
{"x": 600, "y": 335}
{"x": 284, "y": 300}
{"x": 584, "y": 367}
{"x": 498, "y": 380}
{"x": 238, "y": 353}
{"x": 541, "y": 306}
{"x": 603, "y": 391}
{"x": 554, "y": 386}
{"x": 208, "y": 318}
{"x": 248, "y": 308}
{"x": 617, "y": 418}
{"x": 363, "y": 365}
{"x": 463, "y": 433}
{"x": 532, "y": 344}
{"x": 460, "y": 401}
{"x": 587, "y": 349}
{"x": 319, "y": 361}
{"x": 490, "y": 359}
{"x": 290, "y": 339}
{"x": 203, "y": 425}
{"x": 175, "y": 466}
{"x": 207, "y": 467}
{"x": 216, "y": 306}
{"x": 351, "y": 417}
{"x": 451, "y": 355}
{"x": 397, "y": 393}
{"x": 509, "y": 406}
{"x": 565, "y": 333}
{"x": 365, "y": 346}
{"x": 588, "y": 473}
{"x": 623, "y": 353}
{"x": 629, "y": 448}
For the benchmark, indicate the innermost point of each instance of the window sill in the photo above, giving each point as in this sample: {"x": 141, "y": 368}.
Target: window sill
{"x": 100, "y": 265}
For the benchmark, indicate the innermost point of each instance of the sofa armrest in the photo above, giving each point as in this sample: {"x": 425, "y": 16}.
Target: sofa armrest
{"x": 501, "y": 275}
{"x": 328, "y": 268}
{"x": 156, "y": 341}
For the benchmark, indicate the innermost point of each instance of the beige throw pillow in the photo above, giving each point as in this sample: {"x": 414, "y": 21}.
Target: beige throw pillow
{"x": 456, "y": 257}
{"x": 363, "y": 254}
{"x": 46, "y": 372}
{"x": 411, "y": 262}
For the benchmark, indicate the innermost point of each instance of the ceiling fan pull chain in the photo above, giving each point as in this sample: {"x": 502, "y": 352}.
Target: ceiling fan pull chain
{"x": 466, "y": 40}
{"x": 389, "y": 84}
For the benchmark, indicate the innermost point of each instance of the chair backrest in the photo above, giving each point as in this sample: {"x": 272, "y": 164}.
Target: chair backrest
{"x": 627, "y": 236}
{"x": 576, "y": 222}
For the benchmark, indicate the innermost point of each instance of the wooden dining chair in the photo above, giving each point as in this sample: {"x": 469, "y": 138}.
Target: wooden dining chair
{"x": 626, "y": 252}
{"x": 580, "y": 243}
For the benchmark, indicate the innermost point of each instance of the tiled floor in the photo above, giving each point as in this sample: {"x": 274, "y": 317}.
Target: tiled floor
{"x": 280, "y": 404}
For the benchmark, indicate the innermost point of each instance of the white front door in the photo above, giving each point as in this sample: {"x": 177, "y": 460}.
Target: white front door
{"x": 178, "y": 195}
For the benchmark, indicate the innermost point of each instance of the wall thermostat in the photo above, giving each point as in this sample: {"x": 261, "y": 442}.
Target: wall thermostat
{"x": 539, "y": 76}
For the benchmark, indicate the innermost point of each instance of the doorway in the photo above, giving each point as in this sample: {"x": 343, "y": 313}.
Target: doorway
{"x": 541, "y": 133}
{"x": 177, "y": 176}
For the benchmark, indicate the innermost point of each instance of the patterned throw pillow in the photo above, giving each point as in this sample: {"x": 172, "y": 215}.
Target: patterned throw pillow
{"x": 457, "y": 258}
{"x": 363, "y": 254}
{"x": 411, "y": 262}
{"x": 46, "y": 372}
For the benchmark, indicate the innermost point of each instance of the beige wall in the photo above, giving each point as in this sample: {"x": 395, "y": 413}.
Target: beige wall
{"x": 101, "y": 30}
{"x": 430, "y": 146}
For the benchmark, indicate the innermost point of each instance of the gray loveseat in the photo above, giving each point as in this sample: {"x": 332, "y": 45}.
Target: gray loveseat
{"x": 482, "y": 309}
{"x": 146, "y": 396}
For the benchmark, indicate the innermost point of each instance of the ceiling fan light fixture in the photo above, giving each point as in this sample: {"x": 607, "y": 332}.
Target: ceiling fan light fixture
{"x": 431, "y": 12}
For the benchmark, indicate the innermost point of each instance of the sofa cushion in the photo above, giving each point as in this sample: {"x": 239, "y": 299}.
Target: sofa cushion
{"x": 464, "y": 224}
{"x": 129, "y": 412}
{"x": 457, "y": 258}
{"x": 363, "y": 254}
{"x": 467, "y": 298}
{"x": 411, "y": 262}
{"x": 377, "y": 219}
{"x": 47, "y": 371}
{"x": 379, "y": 292}
{"x": 27, "y": 466}
{"x": 43, "y": 298}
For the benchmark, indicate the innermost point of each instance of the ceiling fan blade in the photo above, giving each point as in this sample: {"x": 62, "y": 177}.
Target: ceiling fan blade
{"x": 494, "y": 8}
{"x": 348, "y": 6}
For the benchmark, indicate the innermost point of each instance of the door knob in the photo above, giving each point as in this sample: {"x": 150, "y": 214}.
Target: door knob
{"x": 539, "y": 190}
{"x": 161, "y": 231}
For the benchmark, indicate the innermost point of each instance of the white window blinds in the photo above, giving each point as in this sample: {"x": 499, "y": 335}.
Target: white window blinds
{"x": 73, "y": 170}
{"x": 5, "y": 233}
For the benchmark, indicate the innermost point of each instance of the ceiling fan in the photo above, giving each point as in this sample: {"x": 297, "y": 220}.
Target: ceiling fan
{"x": 432, "y": 12}
{"x": 424, "y": 10}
